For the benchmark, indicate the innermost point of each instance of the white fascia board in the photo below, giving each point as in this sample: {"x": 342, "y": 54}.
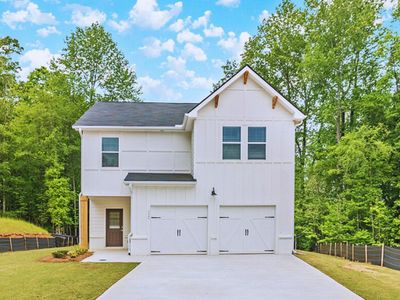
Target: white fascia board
{"x": 160, "y": 183}
{"x": 131, "y": 128}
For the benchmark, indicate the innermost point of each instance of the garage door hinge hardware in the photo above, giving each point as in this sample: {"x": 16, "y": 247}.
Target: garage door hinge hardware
{"x": 153, "y": 251}
{"x": 202, "y": 251}
{"x": 201, "y": 217}
{"x": 222, "y": 217}
{"x": 156, "y": 217}
{"x": 269, "y": 217}
{"x": 269, "y": 250}
{"x": 223, "y": 250}
{"x": 178, "y": 232}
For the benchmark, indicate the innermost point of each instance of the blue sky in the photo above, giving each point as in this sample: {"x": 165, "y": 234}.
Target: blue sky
{"x": 176, "y": 47}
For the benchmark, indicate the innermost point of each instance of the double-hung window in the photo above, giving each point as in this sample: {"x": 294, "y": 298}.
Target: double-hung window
{"x": 110, "y": 152}
{"x": 231, "y": 142}
{"x": 256, "y": 147}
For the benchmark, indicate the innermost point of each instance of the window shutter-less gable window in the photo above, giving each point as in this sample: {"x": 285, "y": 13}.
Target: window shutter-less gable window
{"x": 256, "y": 147}
{"x": 110, "y": 152}
{"x": 231, "y": 142}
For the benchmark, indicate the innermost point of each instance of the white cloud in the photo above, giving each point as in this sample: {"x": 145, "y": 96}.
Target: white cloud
{"x": 229, "y": 3}
{"x": 146, "y": 13}
{"x": 217, "y": 63}
{"x": 46, "y": 31}
{"x": 154, "y": 47}
{"x": 202, "y": 21}
{"x": 390, "y": 4}
{"x": 180, "y": 24}
{"x": 201, "y": 83}
{"x": 213, "y": 31}
{"x": 29, "y": 13}
{"x": 234, "y": 44}
{"x": 120, "y": 26}
{"x": 264, "y": 16}
{"x": 188, "y": 36}
{"x": 177, "y": 67}
{"x": 156, "y": 90}
{"x": 184, "y": 78}
{"x": 196, "y": 53}
{"x": 33, "y": 59}
{"x": 85, "y": 15}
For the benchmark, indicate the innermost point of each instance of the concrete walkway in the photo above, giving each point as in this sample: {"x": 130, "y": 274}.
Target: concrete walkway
{"x": 221, "y": 277}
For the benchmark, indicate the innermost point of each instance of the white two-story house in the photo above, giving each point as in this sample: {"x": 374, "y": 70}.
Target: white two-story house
{"x": 213, "y": 177}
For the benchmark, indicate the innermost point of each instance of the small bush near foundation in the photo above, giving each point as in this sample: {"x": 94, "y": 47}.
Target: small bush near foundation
{"x": 76, "y": 252}
{"x": 60, "y": 253}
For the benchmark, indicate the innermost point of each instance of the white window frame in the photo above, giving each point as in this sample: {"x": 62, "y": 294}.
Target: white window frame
{"x": 118, "y": 152}
{"x": 256, "y": 143}
{"x": 232, "y": 143}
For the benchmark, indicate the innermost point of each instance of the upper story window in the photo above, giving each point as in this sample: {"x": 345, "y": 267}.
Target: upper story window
{"x": 110, "y": 152}
{"x": 256, "y": 142}
{"x": 231, "y": 142}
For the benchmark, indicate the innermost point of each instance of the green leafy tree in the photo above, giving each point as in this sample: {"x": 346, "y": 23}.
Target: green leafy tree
{"x": 8, "y": 71}
{"x": 97, "y": 68}
{"x": 59, "y": 196}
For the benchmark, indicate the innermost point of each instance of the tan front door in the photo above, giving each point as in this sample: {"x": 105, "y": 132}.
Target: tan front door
{"x": 114, "y": 227}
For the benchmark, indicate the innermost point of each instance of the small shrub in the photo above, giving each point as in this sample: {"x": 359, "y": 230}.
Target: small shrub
{"x": 76, "y": 252}
{"x": 60, "y": 253}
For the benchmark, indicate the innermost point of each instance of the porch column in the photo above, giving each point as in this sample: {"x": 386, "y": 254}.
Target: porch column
{"x": 84, "y": 221}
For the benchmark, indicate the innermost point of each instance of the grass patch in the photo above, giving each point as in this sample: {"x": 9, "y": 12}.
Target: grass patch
{"x": 367, "y": 281}
{"x": 8, "y": 225}
{"x": 23, "y": 276}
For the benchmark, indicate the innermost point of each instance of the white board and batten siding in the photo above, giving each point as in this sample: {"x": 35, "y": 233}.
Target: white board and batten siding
{"x": 138, "y": 152}
{"x": 244, "y": 182}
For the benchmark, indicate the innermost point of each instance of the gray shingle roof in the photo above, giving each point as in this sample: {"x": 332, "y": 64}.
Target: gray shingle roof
{"x": 159, "y": 177}
{"x": 135, "y": 114}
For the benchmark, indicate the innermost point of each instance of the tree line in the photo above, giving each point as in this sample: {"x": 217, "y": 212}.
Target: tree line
{"x": 340, "y": 65}
{"x": 39, "y": 151}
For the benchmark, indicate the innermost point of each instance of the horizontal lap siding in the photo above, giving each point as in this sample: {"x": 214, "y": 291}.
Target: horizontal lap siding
{"x": 97, "y": 218}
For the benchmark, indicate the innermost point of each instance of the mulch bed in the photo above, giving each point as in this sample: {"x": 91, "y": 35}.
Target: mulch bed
{"x": 22, "y": 235}
{"x": 52, "y": 259}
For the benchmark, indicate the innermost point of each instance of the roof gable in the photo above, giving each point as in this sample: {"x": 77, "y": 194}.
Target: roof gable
{"x": 249, "y": 72}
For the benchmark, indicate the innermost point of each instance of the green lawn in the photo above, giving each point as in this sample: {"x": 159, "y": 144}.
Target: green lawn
{"x": 23, "y": 276}
{"x": 368, "y": 281}
{"x": 8, "y": 225}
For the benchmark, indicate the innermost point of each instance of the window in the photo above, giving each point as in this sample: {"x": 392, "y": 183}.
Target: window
{"x": 231, "y": 143}
{"x": 256, "y": 142}
{"x": 110, "y": 152}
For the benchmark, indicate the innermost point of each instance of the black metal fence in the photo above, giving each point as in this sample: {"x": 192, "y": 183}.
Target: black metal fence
{"x": 377, "y": 255}
{"x": 30, "y": 243}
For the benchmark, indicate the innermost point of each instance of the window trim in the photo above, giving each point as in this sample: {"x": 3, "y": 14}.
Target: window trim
{"x": 257, "y": 143}
{"x": 232, "y": 143}
{"x": 117, "y": 152}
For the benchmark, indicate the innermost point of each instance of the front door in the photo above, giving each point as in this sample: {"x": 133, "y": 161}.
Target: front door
{"x": 114, "y": 228}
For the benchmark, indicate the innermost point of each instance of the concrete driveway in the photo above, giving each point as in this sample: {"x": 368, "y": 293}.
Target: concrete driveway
{"x": 223, "y": 277}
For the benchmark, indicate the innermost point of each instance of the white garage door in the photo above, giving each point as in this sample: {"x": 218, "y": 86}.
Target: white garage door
{"x": 178, "y": 229}
{"x": 245, "y": 229}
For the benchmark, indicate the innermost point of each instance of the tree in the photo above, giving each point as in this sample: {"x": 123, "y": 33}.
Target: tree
{"x": 97, "y": 68}
{"x": 59, "y": 196}
{"x": 42, "y": 138}
{"x": 229, "y": 69}
{"x": 8, "y": 71}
